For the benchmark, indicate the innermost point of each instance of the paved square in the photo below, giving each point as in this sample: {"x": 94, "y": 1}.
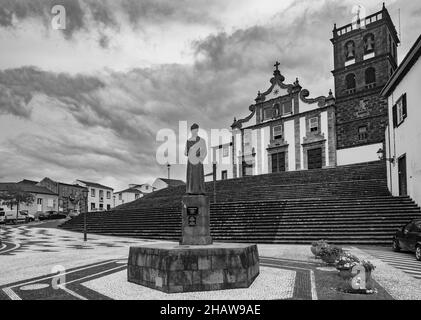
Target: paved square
{"x": 271, "y": 284}
{"x": 49, "y": 263}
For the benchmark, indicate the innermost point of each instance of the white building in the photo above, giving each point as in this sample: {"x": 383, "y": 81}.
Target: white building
{"x": 144, "y": 188}
{"x": 223, "y": 156}
{"x": 285, "y": 131}
{"x": 100, "y": 196}
{"x": 134, "y": 192}
{"x": 44, "y": 199}
{"x": 403, "y": 135}
{"x": 162, "y": 183}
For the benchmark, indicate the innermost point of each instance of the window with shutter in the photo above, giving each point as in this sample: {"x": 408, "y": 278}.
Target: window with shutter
{"x": 267, "y": 114}
{"x": 394, "y": 116}
{"x": 287, "y": 107}
{"x": 225, "y": 151}
{"x": 404, "y": 106}
{"x": 362, "y": 133}
{"x": 277, "y": 132}
{"x": 314, "y": 124}
{"x": 401, "y": 110}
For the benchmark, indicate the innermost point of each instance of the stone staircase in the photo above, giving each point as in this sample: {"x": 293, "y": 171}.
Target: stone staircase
{"x": 344, "y": 205}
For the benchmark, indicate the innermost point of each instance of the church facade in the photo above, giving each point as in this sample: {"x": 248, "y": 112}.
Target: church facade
{"x": 286, "y": 130}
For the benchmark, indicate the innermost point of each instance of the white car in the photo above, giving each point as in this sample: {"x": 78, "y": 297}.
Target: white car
{"x": 21, "y": 216}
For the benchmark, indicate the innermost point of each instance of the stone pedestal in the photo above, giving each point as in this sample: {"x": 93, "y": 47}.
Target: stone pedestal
{"x": 195, "y": 264}
{"x": 178, "y": 268}
{"x": 196, "y": 220}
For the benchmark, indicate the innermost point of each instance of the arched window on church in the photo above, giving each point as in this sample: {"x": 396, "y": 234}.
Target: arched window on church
{"x": 370, "y": 77}
{"x": 350, "y": 83}
{"x": 369, "y": 43}
{"x": 350, "y": 50}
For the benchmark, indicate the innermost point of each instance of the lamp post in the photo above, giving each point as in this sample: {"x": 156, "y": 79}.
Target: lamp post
{"x": 85, "y": 211}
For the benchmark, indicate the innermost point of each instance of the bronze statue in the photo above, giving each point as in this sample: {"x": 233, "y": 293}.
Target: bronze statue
{"x": 196, "y": 152}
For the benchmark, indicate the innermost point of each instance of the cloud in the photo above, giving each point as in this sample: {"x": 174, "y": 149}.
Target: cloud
{"x": 5, "y": 17}
{"x": 103, "y": 126}
{"x": 18, "y": 87}
{"x": 95, "y": 16}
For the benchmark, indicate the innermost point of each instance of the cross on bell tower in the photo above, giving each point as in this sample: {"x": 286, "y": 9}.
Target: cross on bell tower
{"x": 276, "y": 65}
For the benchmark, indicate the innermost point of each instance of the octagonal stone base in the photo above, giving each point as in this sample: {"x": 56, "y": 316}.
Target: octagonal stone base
{"x": 176, "y": 268}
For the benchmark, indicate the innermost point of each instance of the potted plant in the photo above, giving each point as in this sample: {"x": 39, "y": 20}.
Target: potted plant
{"x": 358, "y": 276}
{"x": 330, "y": 254}
{"x": 345, "y": 263}
{"x": 316, "y": 247}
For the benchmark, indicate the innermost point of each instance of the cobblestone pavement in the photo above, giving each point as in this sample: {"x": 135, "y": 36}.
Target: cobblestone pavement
{"x": 404, "y": 261}
{"x": 35, "y": 238}
{"x": 50, "y": 263}
{"x": 108, "y": 280}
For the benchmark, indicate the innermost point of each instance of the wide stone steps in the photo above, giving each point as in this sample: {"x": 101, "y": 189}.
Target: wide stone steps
{"x": 344, "y": 205}
{"x": 347, "y": 181}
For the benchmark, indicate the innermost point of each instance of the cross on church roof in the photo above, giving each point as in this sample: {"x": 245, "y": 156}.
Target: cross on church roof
{"x": 276, "y": 65}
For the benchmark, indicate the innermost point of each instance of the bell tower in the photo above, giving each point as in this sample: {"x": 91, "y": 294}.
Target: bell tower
{"x": 365, "y": 56}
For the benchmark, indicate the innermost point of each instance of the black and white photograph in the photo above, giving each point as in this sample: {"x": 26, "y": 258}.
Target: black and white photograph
{"x": 210, "y": 157}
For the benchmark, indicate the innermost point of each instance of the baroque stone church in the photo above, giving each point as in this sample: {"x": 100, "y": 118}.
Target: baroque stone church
{"x": 287, "y": 130}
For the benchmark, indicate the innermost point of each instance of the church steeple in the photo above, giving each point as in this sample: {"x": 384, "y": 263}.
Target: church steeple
{"x": 364, "y": 58}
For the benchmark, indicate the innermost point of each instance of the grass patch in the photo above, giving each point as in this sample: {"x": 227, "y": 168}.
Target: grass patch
{"x": 328, "y": 282}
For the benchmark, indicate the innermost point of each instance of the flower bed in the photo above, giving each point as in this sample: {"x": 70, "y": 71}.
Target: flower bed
{"x": 330, "y": 254}
{"x": 355, "y": 273}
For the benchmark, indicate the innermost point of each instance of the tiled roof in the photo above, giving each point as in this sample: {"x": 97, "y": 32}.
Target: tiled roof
{"x": 26, "y": 181}
{"x": 95, "y": 185}
{"x": 27, "y": 187}
{"x": 129, "y": 190}
{"x": 173, "y": 182}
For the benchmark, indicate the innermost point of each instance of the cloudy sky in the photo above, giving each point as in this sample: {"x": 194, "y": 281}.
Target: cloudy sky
{"x": 87, "y": 102}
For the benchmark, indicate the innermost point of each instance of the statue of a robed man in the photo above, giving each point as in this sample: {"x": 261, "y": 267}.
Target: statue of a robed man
{"x": 196, "y": 152}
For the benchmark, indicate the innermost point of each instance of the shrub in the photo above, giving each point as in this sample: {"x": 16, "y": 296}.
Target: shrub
{"x": 319, "y": 243}
{"x": 330, "y": 254}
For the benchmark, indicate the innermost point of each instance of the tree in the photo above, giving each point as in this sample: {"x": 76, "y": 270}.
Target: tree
{"x": 14, "y": 195}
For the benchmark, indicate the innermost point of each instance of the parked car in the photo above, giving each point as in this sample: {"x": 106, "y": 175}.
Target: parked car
{"x": 51, "y": 215}
{"x": 2, "y": 216}
{"x": 72, "y": 213}
{"x": 408, "y": 238}
{"x": 21, "y": 216}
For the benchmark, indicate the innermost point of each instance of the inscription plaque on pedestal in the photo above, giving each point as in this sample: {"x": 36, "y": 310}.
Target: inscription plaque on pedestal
{"x": 195, "y": 220}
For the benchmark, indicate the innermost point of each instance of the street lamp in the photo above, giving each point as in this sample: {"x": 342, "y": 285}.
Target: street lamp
{"x": 382, "y": 156}
{"x": 85, "y": 211}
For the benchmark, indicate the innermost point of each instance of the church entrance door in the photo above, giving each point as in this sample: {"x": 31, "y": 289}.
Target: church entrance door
{"x": 278, "y": 162}
{"x": 314, "y": 158}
